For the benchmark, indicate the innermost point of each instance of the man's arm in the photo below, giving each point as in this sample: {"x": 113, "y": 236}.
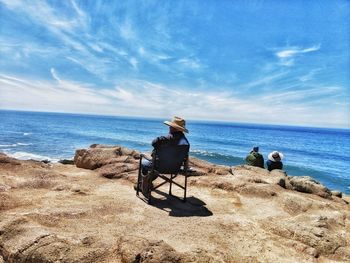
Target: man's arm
{"x": 160, "y": 140}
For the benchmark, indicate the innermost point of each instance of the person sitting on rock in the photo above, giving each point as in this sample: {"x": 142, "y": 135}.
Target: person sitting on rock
{"x": 274, "y": 161}
{"x": 254, "y": 158}
{"x": 176, "y": 136}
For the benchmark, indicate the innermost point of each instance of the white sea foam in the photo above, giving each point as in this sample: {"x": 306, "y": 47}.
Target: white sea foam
{"x": 27, "y": 133}
{"x": 8, "y": 145}
{"x": 203, "y": 152}
{"x": 15, "y": 144}
{"x": 23, "y": 144}
{"x": 27, "y": 156}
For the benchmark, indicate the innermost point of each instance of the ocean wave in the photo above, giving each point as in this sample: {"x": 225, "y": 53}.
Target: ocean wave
{"x": 27, "y": 133}
{"x": 15, "y": 144}
{"x": 217, "y": 157}
{"x": 33, "y": 156}
{"x": 8, "y": 145}
{"x": 205, "y": 153}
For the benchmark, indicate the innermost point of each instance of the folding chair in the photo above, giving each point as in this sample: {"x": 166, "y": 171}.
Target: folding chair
{"x": 167, "y": 160}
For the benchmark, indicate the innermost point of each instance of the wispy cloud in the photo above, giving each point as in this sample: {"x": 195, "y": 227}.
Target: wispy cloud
{"x": 310, "y": 75}
{"x": 133, "y": 61}
{"x": 192, "y": 63}
{"x": 287, "y": 56}
{"x": 127, "y": 31}
{"x": 291, "y": 52}
{"x": 267, "y": 79}
{"x": 144, "y": 98}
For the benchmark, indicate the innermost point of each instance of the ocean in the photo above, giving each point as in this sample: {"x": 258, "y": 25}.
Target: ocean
{"x": 317, "y": 152}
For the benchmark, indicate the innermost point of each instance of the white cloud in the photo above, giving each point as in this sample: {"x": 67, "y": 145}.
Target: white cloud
{"x": 143, "y": 98}
{"x": 54, "y": 75}
{"x": 103, "y": 57}
{"x": 309, "y": 76}
{"x": 287, "y": 53}
{"x": 133, "y": 61}
{"x": 126, "y": 31}
{"x": 266, "y": 80}
{"x": 287, "y": 56}
{"x": 192, "y": 63}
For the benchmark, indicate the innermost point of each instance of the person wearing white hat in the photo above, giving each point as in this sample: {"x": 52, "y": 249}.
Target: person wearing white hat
{"x": 176, "y": 136}
{"x": 274, "y": 161}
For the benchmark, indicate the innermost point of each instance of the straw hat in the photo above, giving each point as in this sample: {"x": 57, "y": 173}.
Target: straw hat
{"x": 275, "y": 156}
{"x": 177, "y": 123}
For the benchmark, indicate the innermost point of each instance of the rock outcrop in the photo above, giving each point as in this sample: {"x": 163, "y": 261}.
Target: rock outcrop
{"x": 308, "y": 185}
{"x": 88, "y": 212}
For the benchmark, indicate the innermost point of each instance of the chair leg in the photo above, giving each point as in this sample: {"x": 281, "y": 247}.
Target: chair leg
{"x": 185, "y": 187}
{"x": 139, "y": 178}
{"x": 171, "y": 181}
{"x": 149, "y": 199}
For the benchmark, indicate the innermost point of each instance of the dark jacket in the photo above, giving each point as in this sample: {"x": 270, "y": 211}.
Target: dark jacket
{"x": 274, "y": 165}
{"x": 255, "y": 159}
{"x": 174, "y": 138}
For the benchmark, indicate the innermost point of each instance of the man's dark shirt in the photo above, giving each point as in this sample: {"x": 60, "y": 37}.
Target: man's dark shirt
{"x": 175, "y": 138}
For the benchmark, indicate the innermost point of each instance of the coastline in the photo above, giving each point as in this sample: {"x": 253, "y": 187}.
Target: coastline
{"x": 56, "y": 136}
{"x": 233, "y": 214}
{"x": 203, "y": 155}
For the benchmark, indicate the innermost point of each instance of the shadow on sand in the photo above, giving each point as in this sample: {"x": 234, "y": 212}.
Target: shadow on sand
{"x": 192, "y": 207}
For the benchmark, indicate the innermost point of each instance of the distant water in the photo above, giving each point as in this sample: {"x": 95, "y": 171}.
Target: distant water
{"x": 317, "y": 152}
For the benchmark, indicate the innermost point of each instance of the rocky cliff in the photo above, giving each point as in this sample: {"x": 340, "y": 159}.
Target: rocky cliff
{"x": 88, "y": 212}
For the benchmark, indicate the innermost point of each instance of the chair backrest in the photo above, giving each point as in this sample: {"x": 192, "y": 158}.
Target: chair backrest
{"x": 168, "y": 159}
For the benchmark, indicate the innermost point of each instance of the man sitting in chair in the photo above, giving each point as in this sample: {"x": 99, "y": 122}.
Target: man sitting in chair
{"x": 177, "y": 127}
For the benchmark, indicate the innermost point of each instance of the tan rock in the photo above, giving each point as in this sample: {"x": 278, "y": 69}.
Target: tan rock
{"x": 337, "y": 193}
{"x": 100, "y": 155}
{"x": 115, "y": 170}
{"x": 294, "y": 204}
{"x": 4, "y": 159}
{"x": 232, "y": 214}
{"x": 306, "y": 184}
{"x": 136, "y": 249}
{"x": 313, "y": 231}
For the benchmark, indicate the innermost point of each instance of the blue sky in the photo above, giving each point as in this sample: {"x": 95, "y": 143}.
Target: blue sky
{"x": 276, "y": 62}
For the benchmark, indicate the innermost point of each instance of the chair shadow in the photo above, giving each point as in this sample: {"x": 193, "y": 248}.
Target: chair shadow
{"x": 177, "y": 208}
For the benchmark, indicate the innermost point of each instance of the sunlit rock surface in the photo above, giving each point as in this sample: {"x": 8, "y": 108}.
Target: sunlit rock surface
{"x": 88, "y": 212}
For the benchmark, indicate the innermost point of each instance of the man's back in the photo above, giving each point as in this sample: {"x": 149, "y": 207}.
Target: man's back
{"x": 173, "y": 138}
{"x": 255, "y": 159}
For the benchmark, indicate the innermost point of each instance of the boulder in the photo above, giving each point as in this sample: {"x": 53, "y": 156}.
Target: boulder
{"x": 98, "y": 156}
{"x": 259, "y": 175}
{"x": 116, "y": 170}
{"x": 306, "y": 184}
{"x": 337, "y": 194}
{"x": 66, "y": 161}
{"x": 249, "y": 170}
{"x": 4, "y": 159}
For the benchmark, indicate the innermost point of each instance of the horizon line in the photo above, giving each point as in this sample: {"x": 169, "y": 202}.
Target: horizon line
{"x": 195, "y": 120}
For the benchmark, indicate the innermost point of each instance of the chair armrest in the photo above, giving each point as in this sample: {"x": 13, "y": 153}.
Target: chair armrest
{"x": 146, "y": 157}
